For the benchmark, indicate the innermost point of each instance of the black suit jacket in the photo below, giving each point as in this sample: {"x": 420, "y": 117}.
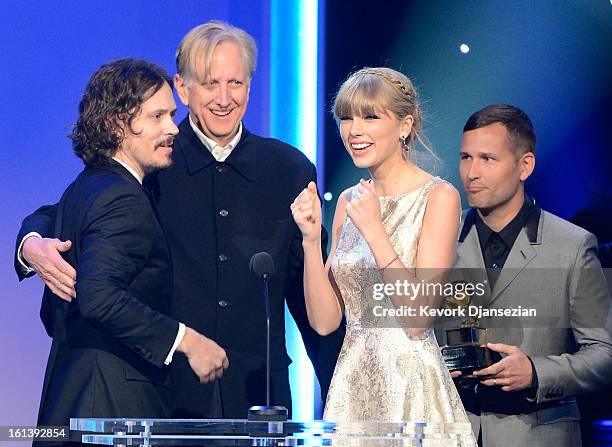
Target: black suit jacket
{"x": 216, "y": 216}
{"x": 110, "y": 343}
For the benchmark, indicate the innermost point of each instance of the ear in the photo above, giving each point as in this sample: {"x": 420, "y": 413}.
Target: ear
{"x": 181, "y": 88}
{"x": 406, "y": 126}
{"x": 526, "y": 165}
{"x": 119, "y": 127}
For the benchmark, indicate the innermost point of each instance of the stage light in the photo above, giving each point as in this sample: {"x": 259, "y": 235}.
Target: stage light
{"x": 293, "y": 119}
{"x": 328, "y": 196}
{"x": 464, "y": 48}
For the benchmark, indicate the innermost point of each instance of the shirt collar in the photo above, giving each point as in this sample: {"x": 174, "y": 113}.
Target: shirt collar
{"x": 484, "y": 231}
{"x": 510, "y": 232}
{"x": 528, "y": 218}
{"x": 219, "y": 152}
{"x": 243, "y": 160}
{"x": 129, "y": 169}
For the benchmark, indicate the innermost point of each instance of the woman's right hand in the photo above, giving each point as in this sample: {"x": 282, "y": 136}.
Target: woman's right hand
{"x": 306, "y": 210}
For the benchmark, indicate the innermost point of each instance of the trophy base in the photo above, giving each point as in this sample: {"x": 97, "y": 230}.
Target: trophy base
{"x": 469, "y": 357}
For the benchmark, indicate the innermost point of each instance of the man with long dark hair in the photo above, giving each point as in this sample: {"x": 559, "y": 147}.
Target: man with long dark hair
{"x": 112, "y": 344}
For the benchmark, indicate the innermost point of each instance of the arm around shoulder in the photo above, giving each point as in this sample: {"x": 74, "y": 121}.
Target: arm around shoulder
{"x": 40, "y": 222}
{"x": 37, "y": 251}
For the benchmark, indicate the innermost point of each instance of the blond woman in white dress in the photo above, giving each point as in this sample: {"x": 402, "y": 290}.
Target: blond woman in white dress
{"x": 401, "y": 221}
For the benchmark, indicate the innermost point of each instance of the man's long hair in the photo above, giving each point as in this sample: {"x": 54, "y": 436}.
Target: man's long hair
{"x": 112, "y": 99}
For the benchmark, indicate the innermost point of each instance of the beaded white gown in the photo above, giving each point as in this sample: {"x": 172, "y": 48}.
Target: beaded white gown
{"x": 384, "y": 373}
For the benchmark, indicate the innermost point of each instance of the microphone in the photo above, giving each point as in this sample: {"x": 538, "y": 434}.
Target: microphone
{"x": 262, "y": 267}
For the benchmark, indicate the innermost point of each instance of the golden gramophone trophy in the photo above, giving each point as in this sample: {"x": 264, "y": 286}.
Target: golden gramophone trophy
{"x": 466, "y": 346}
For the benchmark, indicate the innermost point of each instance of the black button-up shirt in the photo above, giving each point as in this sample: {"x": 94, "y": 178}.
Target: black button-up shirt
{"x": 496, "y": 246}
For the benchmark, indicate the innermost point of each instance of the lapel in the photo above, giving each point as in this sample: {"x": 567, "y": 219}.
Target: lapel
{"x": 523, "y": 251}
{"x": 469, "y": 255}
{"x": 243, "y": 157}
{"x": 521, "y": 254}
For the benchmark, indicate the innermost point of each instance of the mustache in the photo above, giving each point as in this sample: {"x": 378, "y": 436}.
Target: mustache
{"x": 166, "y": 142}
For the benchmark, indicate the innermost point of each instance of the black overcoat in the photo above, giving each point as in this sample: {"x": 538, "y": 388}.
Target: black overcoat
{"x": 216, "y": 216}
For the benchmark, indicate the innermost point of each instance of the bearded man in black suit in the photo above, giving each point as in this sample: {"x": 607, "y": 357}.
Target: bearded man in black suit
{"x": 113, "y": 342}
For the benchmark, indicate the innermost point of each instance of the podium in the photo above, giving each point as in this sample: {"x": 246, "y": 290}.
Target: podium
{"x": 241, "y": 432}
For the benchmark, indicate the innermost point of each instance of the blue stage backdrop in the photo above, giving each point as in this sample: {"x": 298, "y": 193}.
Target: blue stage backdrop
{"x": 49, "y": 50}
{"x": 552, "y": 59}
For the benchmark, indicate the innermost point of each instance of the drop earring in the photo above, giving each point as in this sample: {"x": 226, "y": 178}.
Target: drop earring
{"x": 405, "y": 145}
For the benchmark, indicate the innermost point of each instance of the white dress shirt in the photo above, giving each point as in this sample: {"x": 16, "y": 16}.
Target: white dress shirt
{"x": 219, "y": 152}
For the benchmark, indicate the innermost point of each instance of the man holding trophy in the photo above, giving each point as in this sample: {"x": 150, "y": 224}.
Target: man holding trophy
{"x": 520, "y": 388}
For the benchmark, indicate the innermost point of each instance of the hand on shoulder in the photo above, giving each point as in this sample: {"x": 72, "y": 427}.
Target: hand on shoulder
{"x": 44, "y": 256}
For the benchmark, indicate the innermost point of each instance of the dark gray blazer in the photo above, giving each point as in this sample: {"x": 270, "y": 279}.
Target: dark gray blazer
{"x": 553, "y": 268}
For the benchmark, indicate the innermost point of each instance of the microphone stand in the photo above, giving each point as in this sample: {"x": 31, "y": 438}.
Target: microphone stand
{"x": 268, "y": 413}
{"x": 266, "y": 277}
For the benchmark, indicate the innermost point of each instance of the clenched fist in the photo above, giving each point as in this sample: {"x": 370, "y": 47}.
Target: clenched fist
{"x": 364, "y": 211}
{"x": 206, "y": 358}
{"x": 306, "y": 210}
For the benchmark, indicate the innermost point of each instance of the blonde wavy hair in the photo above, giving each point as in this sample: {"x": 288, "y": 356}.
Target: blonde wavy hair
{"x": 373, "y": 90}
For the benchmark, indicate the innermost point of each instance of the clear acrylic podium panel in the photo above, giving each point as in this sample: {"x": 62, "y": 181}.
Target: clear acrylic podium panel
{"x": 240, "y": 432}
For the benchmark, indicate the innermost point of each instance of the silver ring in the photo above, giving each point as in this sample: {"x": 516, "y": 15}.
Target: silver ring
{"x": 494, "y": 380}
